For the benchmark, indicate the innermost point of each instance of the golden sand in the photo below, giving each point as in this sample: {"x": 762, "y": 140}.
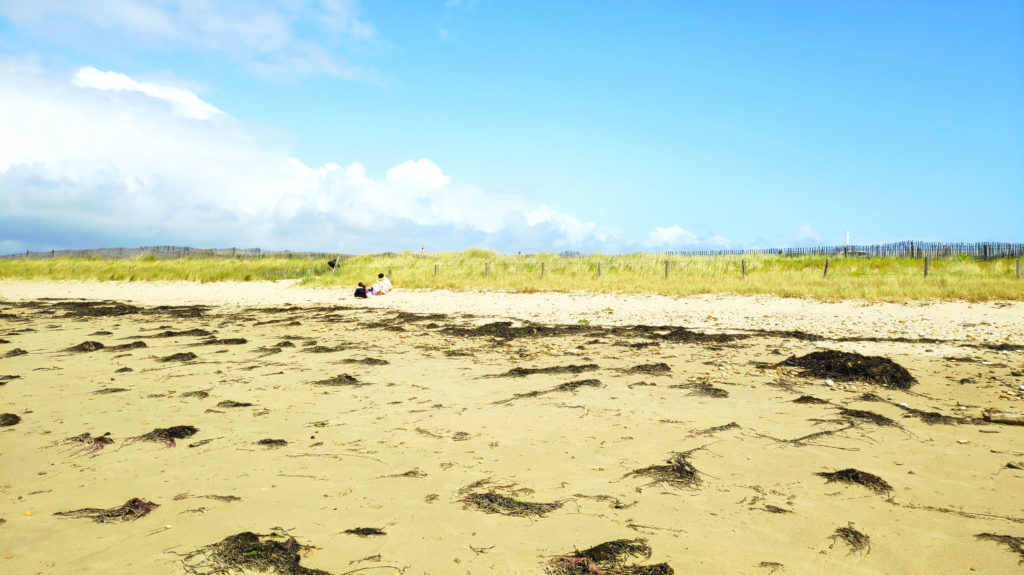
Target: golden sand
{"x": 425, "y": 421}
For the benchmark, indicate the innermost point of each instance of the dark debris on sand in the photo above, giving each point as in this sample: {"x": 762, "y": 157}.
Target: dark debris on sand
{"x": 226, "y": 341}
{"x": 809, "y": 400}
{"x": 248, "y": 552}
{"x": 86, "y": 346}
{"x": 340, "y": 380}
{"x": 846, "y": 366}
{"x": 15, "y": 352}
{"x": 876, "y": 418}
{"x": 127, "y": 346}
{"x": 88, "y": 443}
{"x": 1016, "y": 544}
{"x": 180, "y": 311}
{"x": 504, "y": 330}
{"x": 569, "y": 387}
{"x": 8, "y": 419}
{"x": 365, "y": 531}
{"x": 678, "y": 473}
{"x": 94, "y": 308}
{"x": 186, "y": 333}
{"x": 166, "y": 435}
{"x": 272, "y": 442}
{"x": 857, "y": 477}
{"x": 650, "y": 369}
{"x": 132, "y": 509}
{"x": 524, "y": 371}
{"x": 230, "y": 403}
{"x": 185, "y": 356}
{"x": 707, "y": 390}
{"x": 933, "y": 417}
{"x": 367, "y": 361}
{"x": 609, "y": 558}
{"x": 855, "y": 539}
{"x": 491, "y": 502}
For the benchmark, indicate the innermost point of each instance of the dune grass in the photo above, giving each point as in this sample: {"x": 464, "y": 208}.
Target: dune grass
{"x": 875, "y": 279}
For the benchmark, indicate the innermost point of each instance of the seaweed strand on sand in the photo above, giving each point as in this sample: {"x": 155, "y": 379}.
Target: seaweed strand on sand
{"x": 857, "y": 477}
{"x": 678, "y": 473}
{"x": 608, "y": 558}
{"x": 855, "y": 539}
{"x": 88, "y": 443}
{"x": 166, "y": 435}
{"x": 569, "y": 387}
{"x": 1016, "y": 544}
{"x": 492, "y": 502}
{"x": 249, "y": 552}
{"x": 132, "y": 509}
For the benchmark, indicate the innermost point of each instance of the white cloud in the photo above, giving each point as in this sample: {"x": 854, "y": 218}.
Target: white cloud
{"x": 677, "y": 238}
{"x": 671, "y": 236}
{"x": 99, "y": 158}
{"x": 804, "y": 236}
{"x": 185, "y": 103}
{"x": 297, "y": 37}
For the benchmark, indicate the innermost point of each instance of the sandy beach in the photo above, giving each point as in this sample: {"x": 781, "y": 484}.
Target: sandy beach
{"x": 438, "y": 432}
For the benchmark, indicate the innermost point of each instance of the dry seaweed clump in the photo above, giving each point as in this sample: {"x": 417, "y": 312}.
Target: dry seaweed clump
{"x": 231, "y": 403}
{"x": 132, "y": 509}
{"x": 167, "y": 435}
{"x": 858, "y": 477}
{"x": 524, "y": 371}
{"x": 186, "y": 356}
{"x": 609, "y": 558}
{"x": 876, "y": 418}
{"x": 809, "y": 400}
{"x": 1016, "y": 544}
{"x": 365, "y": 531}
{"x": 855, "y": 539}
{"x": 339, "y": 380}
{"x": 845, "y": 366}
{"x": 86, "y": 346}
{"x": 650, "y": 368}
{"x": 569, "y": 387}
{"x": 248, "y": 552}
{"x": 678, "y": 473}
{"x": 88, "y": 443}
{"x": 492, "y": 502}
{"x": 7, "y": 419}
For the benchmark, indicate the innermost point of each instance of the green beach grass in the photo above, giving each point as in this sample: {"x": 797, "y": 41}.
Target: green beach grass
{"x": 875, "y": 279}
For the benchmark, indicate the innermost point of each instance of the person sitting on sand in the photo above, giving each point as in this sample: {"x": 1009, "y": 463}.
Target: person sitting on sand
{"x": 382, "y": 286}
{"x": 361, "y": 290}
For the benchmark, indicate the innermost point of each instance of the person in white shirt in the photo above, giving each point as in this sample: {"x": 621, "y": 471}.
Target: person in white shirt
{"x": 382, "y": 286}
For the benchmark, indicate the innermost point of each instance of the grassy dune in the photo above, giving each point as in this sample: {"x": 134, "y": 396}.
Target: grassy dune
{"x": 853, "y": 278}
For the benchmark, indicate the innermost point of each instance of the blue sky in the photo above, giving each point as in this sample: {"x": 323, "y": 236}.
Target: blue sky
{"x": 521, "y": 126}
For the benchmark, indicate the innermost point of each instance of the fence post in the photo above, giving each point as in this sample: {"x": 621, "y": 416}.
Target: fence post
{"x": 389, "y": 272}
{"x": 666, "y": 268}
{"x": 743, "y": 267}
{"x": 927, "y": 260}
{"x": 1018, "y": 269}
{"x": 599, "y": 269}
{"x": 826, "y": 268}
{"x": 541, "y": 269}
{"x": 435, "y": 269}
{"x": 486, "y": 266}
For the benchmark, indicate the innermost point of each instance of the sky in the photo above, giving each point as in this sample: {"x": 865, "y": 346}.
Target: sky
{"x": 607, "y": 126}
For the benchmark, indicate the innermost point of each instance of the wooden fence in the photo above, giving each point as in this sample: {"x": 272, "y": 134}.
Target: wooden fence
{"x": 909, "y": 249}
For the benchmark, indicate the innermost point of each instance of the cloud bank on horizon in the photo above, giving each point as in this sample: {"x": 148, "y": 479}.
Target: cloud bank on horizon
{"x": 102, "y": 159}
{"x": 340, "y": 125}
